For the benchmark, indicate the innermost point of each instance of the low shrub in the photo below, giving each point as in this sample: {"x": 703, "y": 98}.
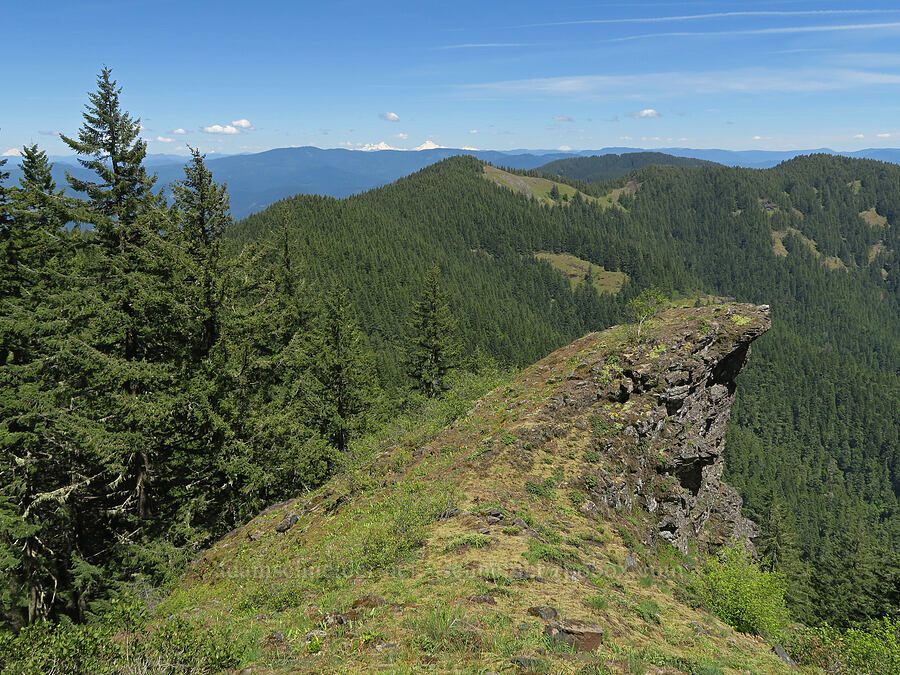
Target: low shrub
{"x": 745, "y": 597}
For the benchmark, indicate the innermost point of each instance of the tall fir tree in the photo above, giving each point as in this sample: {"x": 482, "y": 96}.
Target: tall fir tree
{"x": 433, "y": 349}
{"x": 341, "y": 383}
{"x": 42, "y": 468}
{"x": 108, "y": 144}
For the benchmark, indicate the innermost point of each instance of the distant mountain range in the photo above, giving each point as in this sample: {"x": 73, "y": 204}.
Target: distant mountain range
{"x": 257, "y": 180}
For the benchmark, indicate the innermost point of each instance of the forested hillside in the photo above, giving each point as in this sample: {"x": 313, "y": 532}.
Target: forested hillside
{"x": 814, "y": 441}
{"x": 599, "y": 168}
{"x": 167, "y": 373}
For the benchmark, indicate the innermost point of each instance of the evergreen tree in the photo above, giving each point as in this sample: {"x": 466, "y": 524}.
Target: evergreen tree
{"x": 108, "y": 145}
{"x": 554, "y": 192}
{"x": 201, "y": 211}
{"x": 433, "y": 350}
{"x": 41, "y": 469}
{"x": 342, "y": 383}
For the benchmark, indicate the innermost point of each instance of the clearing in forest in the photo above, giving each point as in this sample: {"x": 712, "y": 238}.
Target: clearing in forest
{"x": 577, "y": 269}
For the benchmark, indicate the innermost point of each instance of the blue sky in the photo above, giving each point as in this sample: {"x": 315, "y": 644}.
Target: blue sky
{"x": 245, "y": 76}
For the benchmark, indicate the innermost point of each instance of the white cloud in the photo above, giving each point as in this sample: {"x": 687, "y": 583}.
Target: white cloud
{"x": 390, "y": 117}
{"x": 219, "y": 129}
{"x": 781, "y": 30}
{"x": 859, "y": 136}
{"x": 163, "y": 139}
{"x": 883, "y": 135}
{"x": 563, "y": 118}
{"x": 242, "y": 123}
{"x": 428, "y": 145}
{"x": 564, "y": 148}
{"x": 179, "y": 131}
{"x": 711, "y": 15}
{"x": 625, "y": 138}
{"x": 647, "y": 113}
{"x": 368, "y": 147}
{"x": 679, "y": 84}
{"x": 757, "y": 138}
{"x": 12, "y": 152}
{"x": 402, "y": 136}
{"x": 473, "y": 131}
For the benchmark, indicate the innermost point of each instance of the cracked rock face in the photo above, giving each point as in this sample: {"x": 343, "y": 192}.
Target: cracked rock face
{"x": 657, "y": 412}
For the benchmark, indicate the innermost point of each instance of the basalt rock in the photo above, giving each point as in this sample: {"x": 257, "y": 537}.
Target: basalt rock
{"x": 657, "y": 409}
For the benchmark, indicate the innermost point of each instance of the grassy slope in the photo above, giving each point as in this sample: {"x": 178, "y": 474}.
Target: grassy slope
{"x": 538, "y": 188}
{"x": 575, "y": 270}
{"x": 374, "y": 530}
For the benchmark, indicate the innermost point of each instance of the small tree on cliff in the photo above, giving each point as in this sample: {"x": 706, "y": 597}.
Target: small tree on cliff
{"x": 646, "y": 305}
{"x": 433, "y": 350}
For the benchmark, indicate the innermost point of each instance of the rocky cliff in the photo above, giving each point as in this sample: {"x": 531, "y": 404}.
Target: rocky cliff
{"x": 656, "y": 412}
{"x": 550, "y": 529}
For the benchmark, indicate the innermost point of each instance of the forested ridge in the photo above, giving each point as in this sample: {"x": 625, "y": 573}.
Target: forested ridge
{"x": 813, "y": 445}
{"x": 166, "y": 373}
{"x": 600, "y": 168}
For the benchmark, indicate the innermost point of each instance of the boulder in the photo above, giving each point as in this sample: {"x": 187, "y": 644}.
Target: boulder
{"x": 583, "y": 636}
{"x": 544, "y": 612}
{"x": 287, "y": 522}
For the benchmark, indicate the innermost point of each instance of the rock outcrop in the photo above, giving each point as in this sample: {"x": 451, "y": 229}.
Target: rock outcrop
{"x": 657, "y": 412}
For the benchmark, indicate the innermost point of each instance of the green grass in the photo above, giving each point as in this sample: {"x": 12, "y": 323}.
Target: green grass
{"x": 596, "y": 602}
{"x": 467, "y": 541}
{"x": 576, "y": 270}
{"x": 540, "y": 490}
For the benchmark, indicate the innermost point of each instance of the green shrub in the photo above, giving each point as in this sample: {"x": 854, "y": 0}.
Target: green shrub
{"x": 648, "y": 611}
{"x": 467, "y": 541}
{"x": 862, "y": 650}
{"x": 443, "y": 629}
{"x": 745, "y": 597}
{"x": 177, "y": 646}
{"x": 596, "y": 602}
{"x": 873, "y": 648}
{"x": 540, "y": 490}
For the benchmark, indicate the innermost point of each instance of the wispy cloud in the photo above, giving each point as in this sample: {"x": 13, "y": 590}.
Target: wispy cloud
{"x": 163, "y": 139}
{"x": 485, "y": 45}
{"x": 473, "y": 131}
{"x": 885, "y": 135}
{"x": 780, "y": 30}
{"x": 390, "y": 117}
{"x": 48, "y": 132}
{"x": 402, "y": 136}
{"x": 563, "y": 118}
{"x": 743, "y": 80}
{"x": 714, "y": 15}
{"x": 859, "y": 136}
